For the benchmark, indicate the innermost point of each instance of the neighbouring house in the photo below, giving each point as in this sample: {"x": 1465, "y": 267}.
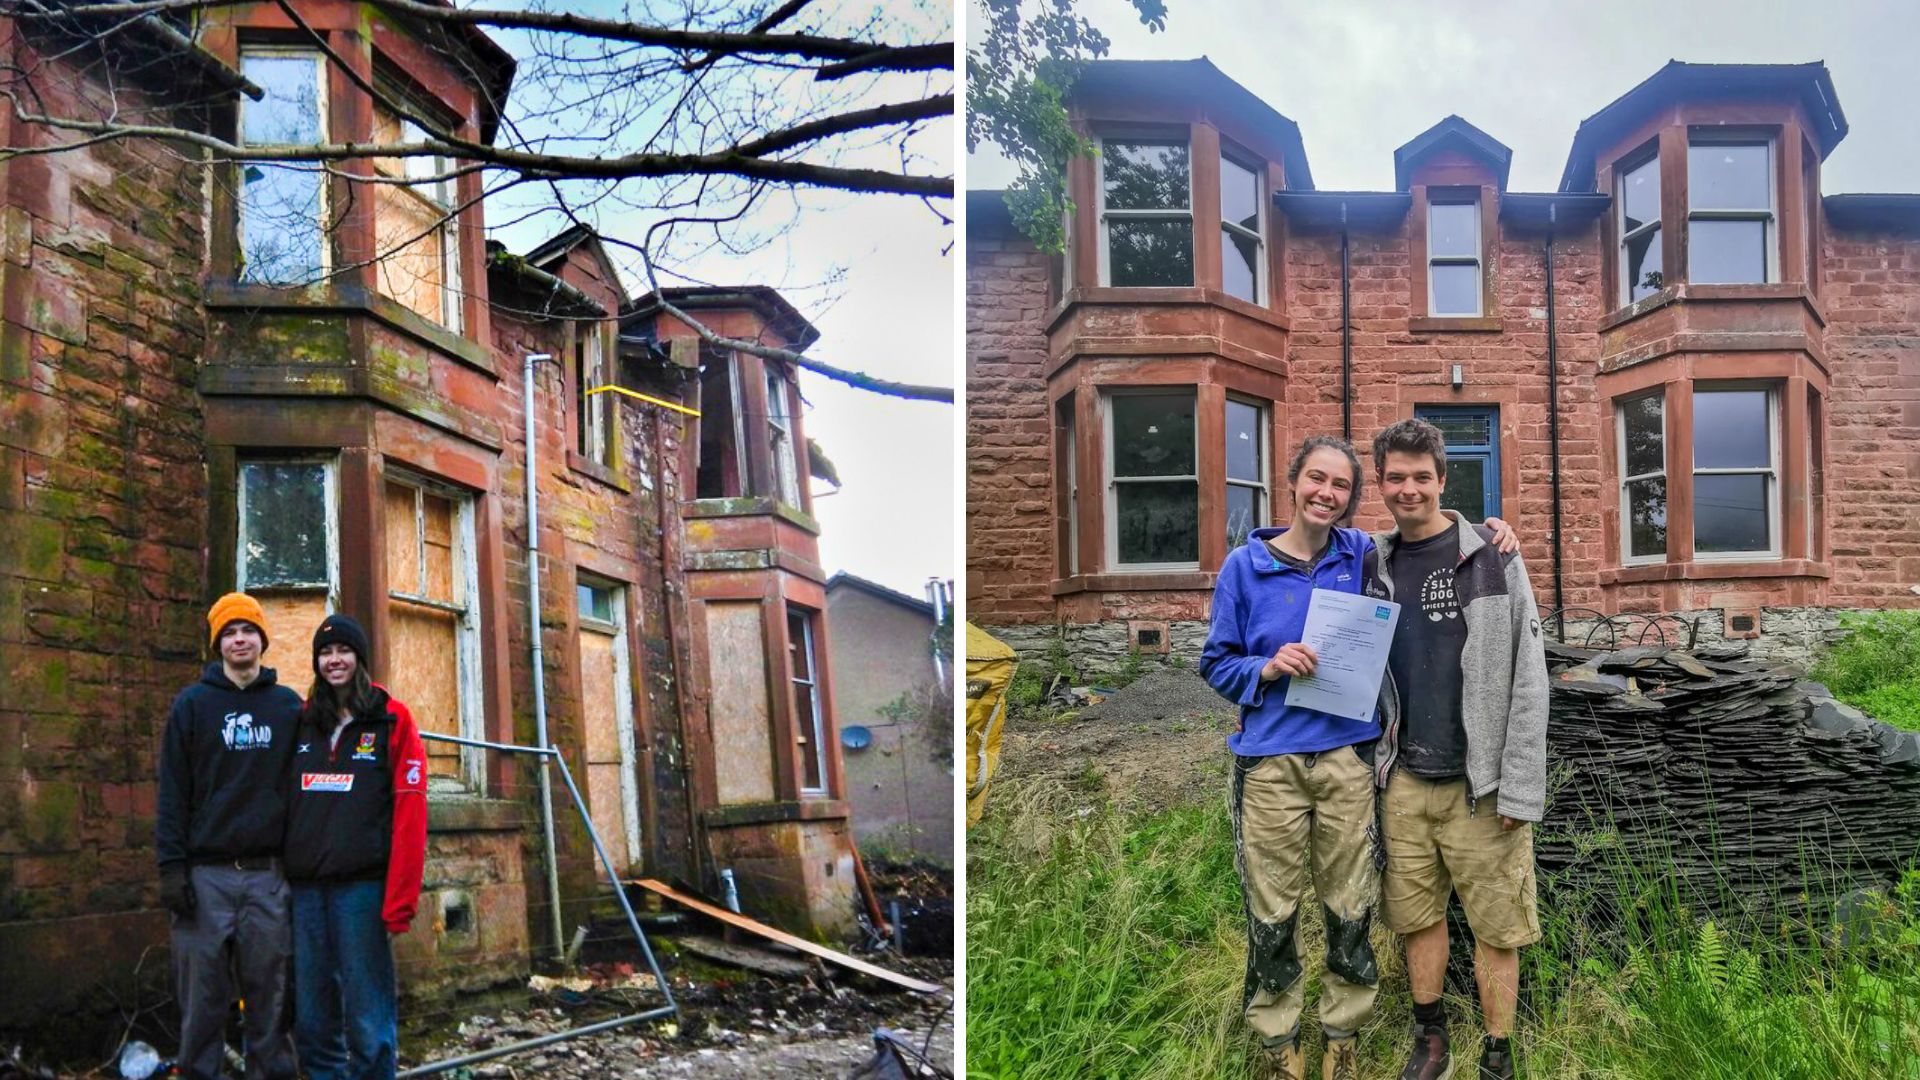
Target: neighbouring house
{"x": 252, "y": 377}
{"x": 892, "y": 666}
{"x": 1690, "y": 379}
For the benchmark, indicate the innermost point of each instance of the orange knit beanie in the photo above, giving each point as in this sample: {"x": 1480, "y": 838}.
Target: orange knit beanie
{"x": 236, "y": 606}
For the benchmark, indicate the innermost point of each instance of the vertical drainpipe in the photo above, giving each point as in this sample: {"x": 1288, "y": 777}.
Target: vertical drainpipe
{"x": 1553, "y": 426}
{"x": 539, "y": 669}
{"x": 1346, "y": 334}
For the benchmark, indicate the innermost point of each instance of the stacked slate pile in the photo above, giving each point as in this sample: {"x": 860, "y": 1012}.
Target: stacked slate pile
{"x": 1724, "y": 776}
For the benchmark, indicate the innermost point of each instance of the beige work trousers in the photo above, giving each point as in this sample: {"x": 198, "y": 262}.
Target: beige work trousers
{"x": 1284, "y": 808}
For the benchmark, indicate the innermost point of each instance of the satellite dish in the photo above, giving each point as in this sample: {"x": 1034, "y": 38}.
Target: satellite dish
{"x": 856, "y": 737}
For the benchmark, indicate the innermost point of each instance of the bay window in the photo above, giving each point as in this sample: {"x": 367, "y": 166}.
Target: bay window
{"x": 808, "y": 729}
{"x": 1242, "y": 254}
{"x": 1453, "y": 256}
{"x": 282, "y": 235}
{"x": 1730, "y": 218}
{"x": 1638, "y": 203}
{"x": 786, "y": 476}
{"x": 1643, "y": 478}
{"x": 1153, "y": 506}
{"x": 415, "y": 222}
{"x": 1146, "y": 214}
{"x": 1246, "y": 466}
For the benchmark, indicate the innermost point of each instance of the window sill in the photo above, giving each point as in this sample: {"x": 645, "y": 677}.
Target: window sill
{"x": 1783, "y": 290}
{"x": 1169, "y": 295}
{"x": 351, "y": 300}
{"x": 1137, "y": 581}
{"x": 749, "y": 506}
{"x": 809, "y": 808}
{"x": 1712, "y": 570}
{"x": 1429, "y": 324}
{"x": 606, "y": 474}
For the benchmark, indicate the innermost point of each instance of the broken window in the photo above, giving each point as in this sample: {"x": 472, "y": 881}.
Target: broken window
{"x": 415, "y": 221}
{"x": 808, "y": 728}
{"x": 1639, "y": 227}
{"x": 1730, "y": 234}
{"x": 1153, "y": 510}
{"x": 786, "y": 473}
{"x": 722, "y": 470}
{"x": 433, "y": 623}
{"x": 593, "y": 414}
{"x": 288, "y": 543}
{"x": 282, "y": 235}
{"x": 1146, "y": 214}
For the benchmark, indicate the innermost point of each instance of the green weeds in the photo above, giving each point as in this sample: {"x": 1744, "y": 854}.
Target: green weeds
{"x": 1876, "y": 667}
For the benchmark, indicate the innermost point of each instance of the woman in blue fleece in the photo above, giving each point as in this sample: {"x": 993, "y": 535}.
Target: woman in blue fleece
{"x": 1298, "y": 773}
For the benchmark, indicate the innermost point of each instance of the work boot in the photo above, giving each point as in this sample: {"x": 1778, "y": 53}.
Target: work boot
{"x": 1495, "y": 1064}
{"x": 1432, "y": 1058}
{"x": 1281, "y": 1063}
{"x": 1342, "y": 1059}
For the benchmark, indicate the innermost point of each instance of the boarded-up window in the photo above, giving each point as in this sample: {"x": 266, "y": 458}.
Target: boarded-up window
{"x": 742, "y": 733}
{"x": 606, "y": 702}
{"x": 415, "y": 233}
{"x": 287, "y": 549}
{"x": 432, "y": 623}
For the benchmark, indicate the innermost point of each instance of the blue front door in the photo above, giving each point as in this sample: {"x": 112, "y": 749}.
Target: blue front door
{"x": 1473, "y": 457}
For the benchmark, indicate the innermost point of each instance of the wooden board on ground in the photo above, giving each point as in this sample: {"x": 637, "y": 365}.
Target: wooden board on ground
{"x": 784, "y": 938}
{"x": 759, "y": 961}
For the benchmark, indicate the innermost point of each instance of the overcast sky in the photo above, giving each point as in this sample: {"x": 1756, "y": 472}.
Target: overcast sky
{"x": 869, "y": 273}
{"x": 1361, "y": 77}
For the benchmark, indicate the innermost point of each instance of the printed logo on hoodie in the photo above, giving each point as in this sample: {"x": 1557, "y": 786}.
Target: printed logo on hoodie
{"x": 240, "y": 734}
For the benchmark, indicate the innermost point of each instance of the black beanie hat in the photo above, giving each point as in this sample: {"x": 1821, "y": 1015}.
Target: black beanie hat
{"x": 340, "y": 630}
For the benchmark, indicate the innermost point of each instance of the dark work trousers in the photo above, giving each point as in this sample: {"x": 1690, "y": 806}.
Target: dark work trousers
{"x": 241, "y": 924}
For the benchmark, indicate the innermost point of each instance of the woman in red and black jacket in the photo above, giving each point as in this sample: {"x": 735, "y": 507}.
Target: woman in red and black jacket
{"x": 356, "y": 842}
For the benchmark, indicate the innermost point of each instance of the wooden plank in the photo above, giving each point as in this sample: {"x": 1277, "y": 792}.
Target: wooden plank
{"x": 739, "y": 708}
{"x": 784, "y": 938}
{"x": 425, "y": 673}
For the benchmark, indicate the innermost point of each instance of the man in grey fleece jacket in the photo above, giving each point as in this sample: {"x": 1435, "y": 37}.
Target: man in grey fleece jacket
{"x": 1463, "y": 759}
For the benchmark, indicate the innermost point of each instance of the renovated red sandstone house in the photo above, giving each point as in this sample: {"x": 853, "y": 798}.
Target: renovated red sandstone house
{"x": 319, "y": 399}
{"x": 1691, "y": 380}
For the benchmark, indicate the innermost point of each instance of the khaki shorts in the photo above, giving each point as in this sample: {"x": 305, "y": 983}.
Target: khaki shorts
{"x": 1434, "y": 846}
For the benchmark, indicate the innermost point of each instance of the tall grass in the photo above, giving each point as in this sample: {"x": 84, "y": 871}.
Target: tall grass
{"x": 1876, "y": 667}
{"x": 1107, "y": 944}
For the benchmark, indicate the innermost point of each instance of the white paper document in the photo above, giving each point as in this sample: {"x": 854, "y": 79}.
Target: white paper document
{"x": 1351, "y": 634}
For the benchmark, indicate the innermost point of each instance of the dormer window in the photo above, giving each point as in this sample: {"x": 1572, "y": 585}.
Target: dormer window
{"x": 283, "y": 206}
{"x": 1146, "y": 214}
{"x": 1730, "y": 220}
{"x": 1453, "y": 256}
{"x": 1243, "y": 257}
{"x": 1639, "y": 228}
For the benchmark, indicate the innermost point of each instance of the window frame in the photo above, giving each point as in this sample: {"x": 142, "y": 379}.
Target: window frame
{"x": 1103, "y": 215}
{"x": 1258, "y": 234}
{"x": 324, "y": 214}
{"x": 1626, "y": 166}
{"x": 1263, "y": 468}
{"x": 1769, "y": 217}
{"x": 1627, "y": 557}
{"x": 1067, "y": 453}
{"x": 595, "y": 431}
{"x": 786, "y": 469}
{"x": 1775, "y": 526}
{"x": 1488, "y": 452}
{"x": 468, "y": 672}
{"x": 441, "y": 196}
{"x": 1463, "y": 197}
{"x": 330, "y": 496}
{"x": 1111, "y": 515}
{"x": 805, "y": 617}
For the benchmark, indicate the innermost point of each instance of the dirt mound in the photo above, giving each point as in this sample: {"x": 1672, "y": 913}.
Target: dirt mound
{"x": 1156, "y": 743}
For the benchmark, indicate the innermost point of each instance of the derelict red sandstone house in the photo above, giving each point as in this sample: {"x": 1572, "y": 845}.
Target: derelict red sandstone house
{"x": 1737, "y": 357}
{"x": 209, "y": 381}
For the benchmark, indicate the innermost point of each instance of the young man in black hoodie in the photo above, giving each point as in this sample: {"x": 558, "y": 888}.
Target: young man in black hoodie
{"x": 221, "y": 817}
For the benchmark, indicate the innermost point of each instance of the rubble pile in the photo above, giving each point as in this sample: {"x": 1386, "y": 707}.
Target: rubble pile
{"x": 1725, "y": 776}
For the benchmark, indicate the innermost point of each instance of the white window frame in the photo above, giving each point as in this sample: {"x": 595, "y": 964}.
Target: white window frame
{"x": 326, "y": 124}
{"x": 329, "y": 489}
{"x": 1112, "y": 515}
{"x": 1474, "y": 260}
{"x": 596, "y": 413}
{"x": 1621, "y": 172}
{"x": 786, "y": 478}
{"x": 1259, "y": 233}
{"x": 1263, "y": 495}
{"x": 1768, "y": 216}
{"x": 473, "y": 773}
{"x": 1665, "y": 472}
{"x": 1771, "y": 471}
{"x": 1166, "y": 214}
{"x": 1072, "y": 481}
{"x": 622, "y": 706}
{"x": 442, "y": 195}
{"x": 817, "y": 737}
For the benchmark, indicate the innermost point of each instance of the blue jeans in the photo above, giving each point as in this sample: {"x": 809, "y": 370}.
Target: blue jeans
{"x": 345, "y": 1012}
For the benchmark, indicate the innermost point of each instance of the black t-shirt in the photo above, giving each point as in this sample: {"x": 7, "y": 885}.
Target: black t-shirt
{"x": 1425, "y": 658}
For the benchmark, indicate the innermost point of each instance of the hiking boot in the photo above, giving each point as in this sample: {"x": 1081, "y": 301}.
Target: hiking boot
{"x": 1342, "y": 1059}
{"x": 1496, "y": 1064}
{"x": 1432, "y": 1058}
{"x": 1281, "y": 1063}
